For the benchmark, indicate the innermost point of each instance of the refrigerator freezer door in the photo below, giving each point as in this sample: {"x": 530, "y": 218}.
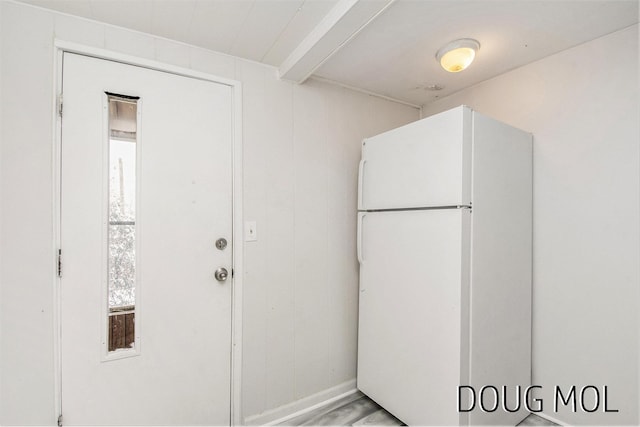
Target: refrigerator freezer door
{"x": 423, "y": 164}
{"x": 412, "y": 273}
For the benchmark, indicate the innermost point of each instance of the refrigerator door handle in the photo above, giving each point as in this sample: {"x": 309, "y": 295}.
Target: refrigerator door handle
{"x": 360, "y": 183}
{"x": 359, "y": 237}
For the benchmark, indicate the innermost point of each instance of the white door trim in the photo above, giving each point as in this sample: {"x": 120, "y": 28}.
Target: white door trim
{"x": 60, "y": 47}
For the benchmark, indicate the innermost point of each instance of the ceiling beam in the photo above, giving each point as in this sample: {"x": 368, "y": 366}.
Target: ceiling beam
{"x": 343, "y": 22}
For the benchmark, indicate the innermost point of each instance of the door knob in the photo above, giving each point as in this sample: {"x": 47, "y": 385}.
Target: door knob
{"x": 221, "y": 274}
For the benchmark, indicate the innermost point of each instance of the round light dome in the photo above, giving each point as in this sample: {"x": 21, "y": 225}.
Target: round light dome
{"x": 457, "y": 55}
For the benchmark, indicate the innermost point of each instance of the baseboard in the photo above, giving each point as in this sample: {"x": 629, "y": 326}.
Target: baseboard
{"x": 299, "y": 407}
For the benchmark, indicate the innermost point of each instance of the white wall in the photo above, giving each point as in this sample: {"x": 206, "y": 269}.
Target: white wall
{"x": 301, "y": 276}
{"x": 301, "y": 146}
{"x": 582, "y": 106}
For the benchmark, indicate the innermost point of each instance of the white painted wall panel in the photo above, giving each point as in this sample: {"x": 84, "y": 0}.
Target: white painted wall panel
{"x": 311, "y": 258}
{"x": 582, "y": 106}
{"x": 279, "y": 228}
{"x": 255, "y": 293}
{"x": 213, "y": 63}
{"x": 171, "y": 52}
{"x": 76, "y": 30}
{"x": 342, "y": 268}
{"x": 301, "y": 154}
{"x": 129, "y": 42}
{"x": 26, "y": 280}
{"x": 301, "y": 147}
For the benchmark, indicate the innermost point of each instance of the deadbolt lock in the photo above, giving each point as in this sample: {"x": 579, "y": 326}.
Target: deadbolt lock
{"x": 221, "y": 243}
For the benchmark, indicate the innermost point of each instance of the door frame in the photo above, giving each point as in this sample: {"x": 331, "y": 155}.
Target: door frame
{"x": 60, "y": 47}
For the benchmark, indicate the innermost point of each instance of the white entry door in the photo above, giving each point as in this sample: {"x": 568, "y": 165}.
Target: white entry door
{"x": 146, "y": 194}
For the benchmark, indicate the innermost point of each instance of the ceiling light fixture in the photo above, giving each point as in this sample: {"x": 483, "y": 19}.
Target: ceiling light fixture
{"x": 457, "y": 55}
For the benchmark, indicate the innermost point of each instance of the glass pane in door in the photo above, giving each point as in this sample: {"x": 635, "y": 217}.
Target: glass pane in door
{"x": 122, "y": 222}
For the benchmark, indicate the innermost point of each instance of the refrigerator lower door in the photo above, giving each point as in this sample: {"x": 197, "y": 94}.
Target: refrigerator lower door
{"x": 413, "y": 281}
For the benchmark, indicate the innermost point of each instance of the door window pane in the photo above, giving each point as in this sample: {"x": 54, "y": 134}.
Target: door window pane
{"x": 122, "y": 222}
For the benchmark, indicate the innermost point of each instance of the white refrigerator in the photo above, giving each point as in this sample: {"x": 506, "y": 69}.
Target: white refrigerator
{"x": 444, "y": 246}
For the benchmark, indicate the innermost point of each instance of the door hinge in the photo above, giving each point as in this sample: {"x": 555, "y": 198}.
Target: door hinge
{"x": 59, "y": 262}
{"x": 60, "y": 105}
{"x": 60, "y": 420}
{"x": 232, "y": 273}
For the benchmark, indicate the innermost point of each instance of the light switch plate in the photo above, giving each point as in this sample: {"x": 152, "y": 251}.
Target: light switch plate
{"x": 250, "y": 231}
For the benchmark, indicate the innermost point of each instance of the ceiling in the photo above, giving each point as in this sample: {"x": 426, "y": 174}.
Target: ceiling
{"x": 261, "y": 30}
{"x": 395, "y": 54}
{"x": 382, "y": 46}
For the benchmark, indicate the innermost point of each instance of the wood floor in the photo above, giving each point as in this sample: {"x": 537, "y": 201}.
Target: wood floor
{"x": 358, "y": 410}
